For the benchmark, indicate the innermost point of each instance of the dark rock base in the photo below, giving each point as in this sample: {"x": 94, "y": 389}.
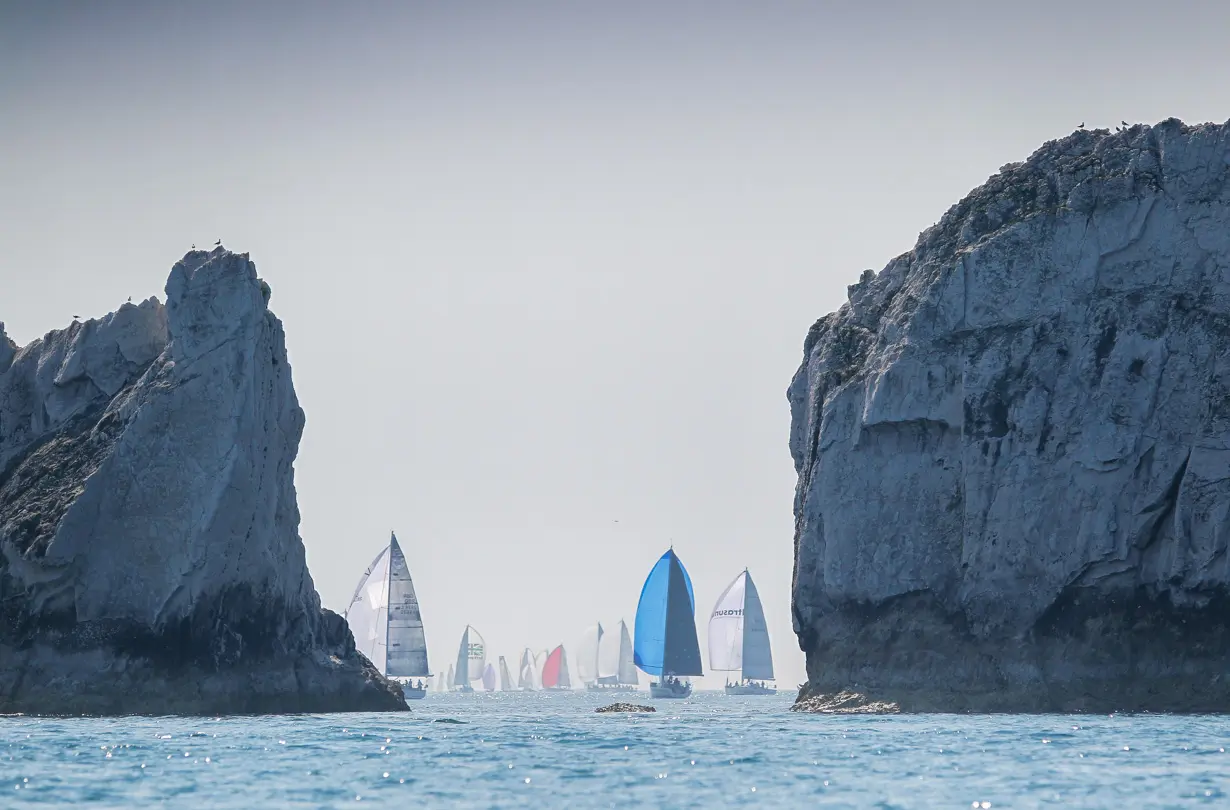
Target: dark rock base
{"x": 44, "y": 681}
{"x": 1126, "y": 651}
{"x": 625, "y": 707}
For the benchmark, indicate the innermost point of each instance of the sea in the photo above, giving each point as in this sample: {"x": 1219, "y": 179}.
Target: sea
{"x": 540, "y": 750}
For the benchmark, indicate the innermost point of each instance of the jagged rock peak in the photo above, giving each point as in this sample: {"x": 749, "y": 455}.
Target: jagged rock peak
{"x": 150, "y": 559}
{"x": 1011, "y": 442}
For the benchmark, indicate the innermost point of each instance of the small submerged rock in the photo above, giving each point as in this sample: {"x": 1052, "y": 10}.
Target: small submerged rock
{"x": 449, "y": 720}
{"x": 625, "y": 707}
{"x": 843, "y": 702}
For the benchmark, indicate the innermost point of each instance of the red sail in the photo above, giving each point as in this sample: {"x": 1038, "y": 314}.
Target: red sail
{"x": 550, "y": 670}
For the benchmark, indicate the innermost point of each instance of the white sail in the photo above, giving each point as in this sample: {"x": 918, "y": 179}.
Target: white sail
{"x": 506, "y": 681}
{"x": 525, "y": 673}
{"x": 564, "y": 681}
{"x": 406, "y": 654}
{"x": 441, "y": 683}
{"x": 726, "y": 628}
{"x": 489, "y": 678}
{"x": 738, "y": 633}
{"x": 449, "y": 680}
{"x": 587, "y": 654}
{"x": 627, "y": 664}
{"x": 757, "y": 652}
{"x": 539, "y": 660}
{"x": 368, "y": 613}
{"x": 461, "y": 677}
{"x": 608, "y": 657}
{"x": 477, "y": 655}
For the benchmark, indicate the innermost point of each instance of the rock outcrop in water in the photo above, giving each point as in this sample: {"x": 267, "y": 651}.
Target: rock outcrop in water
{"x": 1013, "y": 443}
{"x": 150, "y": 560}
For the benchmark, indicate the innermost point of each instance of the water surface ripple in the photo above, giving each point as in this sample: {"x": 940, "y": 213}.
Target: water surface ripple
{"x": 536, "y": 750}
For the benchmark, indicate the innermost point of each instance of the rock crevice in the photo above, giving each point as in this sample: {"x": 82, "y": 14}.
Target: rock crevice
{"x": 1012, "y": 443}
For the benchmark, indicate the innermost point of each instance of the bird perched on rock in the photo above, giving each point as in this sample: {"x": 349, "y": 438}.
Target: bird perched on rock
{"x": 218, "y": 243}
{"x": 194, "y": 245}
{"x": 1082, "y": 126}
{"x": 1124, "y": 124}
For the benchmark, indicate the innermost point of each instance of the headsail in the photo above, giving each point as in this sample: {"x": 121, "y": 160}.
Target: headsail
{"x": 462, "y": 678}
{"x": 627, "y": 667}
{"x": 506, "y": 681}
{"x": 489, "y": 678}
{"x": 666, "y": 641}
{"x": 407, "y": 645}
{"x": 368, "y": 614}
{"x": 450, "y": 683}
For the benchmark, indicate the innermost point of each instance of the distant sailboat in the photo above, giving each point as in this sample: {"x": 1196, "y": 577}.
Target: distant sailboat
{"x": 506, "y": 681}
{"x": 448, "y": 682}
{"x": 471, "y": 660}
{"x": 489, "y": 678}
{"x": 386, "y": 623}
{"x": 739, "y": 638}
{"x": 540, "y": 661}
{"x": 555, "y": 671}
{"x": 525, "y": 672}
{"x": 666, "y": 643}
{"x": 604, "y": 660}
{"x": 442, "y": 683}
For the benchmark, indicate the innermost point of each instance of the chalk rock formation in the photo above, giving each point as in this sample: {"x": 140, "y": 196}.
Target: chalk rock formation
{"x": 1013, "y": 443}
{"x": 150, "y": 560}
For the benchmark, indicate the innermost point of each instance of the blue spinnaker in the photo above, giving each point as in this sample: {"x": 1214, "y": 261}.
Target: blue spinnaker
{"x": 666, "y": 642}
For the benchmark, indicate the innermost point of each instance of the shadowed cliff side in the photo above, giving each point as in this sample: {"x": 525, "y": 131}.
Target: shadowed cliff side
{"x": 1013, "y": 444}
{"x": 150, "y": 560}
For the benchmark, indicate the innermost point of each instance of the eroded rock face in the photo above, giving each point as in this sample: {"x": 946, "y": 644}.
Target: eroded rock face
{"x": 150, "y": 559}
{"x": 1013, "y": 443}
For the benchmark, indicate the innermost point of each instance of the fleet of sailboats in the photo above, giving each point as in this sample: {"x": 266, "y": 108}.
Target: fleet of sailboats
{"x": 387, "y": 625}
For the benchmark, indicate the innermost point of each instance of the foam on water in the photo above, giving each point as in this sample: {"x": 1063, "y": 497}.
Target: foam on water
{"x": 536, "y": 750}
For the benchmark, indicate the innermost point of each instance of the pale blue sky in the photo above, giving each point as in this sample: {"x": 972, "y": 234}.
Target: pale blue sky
{"x": 544, "y": 267}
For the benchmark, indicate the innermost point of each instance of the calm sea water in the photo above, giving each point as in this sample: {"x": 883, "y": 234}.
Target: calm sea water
{"x": 552, "y": 750}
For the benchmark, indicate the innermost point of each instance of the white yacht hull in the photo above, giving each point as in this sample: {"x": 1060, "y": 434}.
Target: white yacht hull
{"x": 749, "y": 689}
{"x": 676, "y": 690}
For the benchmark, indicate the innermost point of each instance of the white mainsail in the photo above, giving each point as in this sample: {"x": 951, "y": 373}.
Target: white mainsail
{"x": 506, "y": 682}
{"x": 608, "y": 657}
{"x": 564, "y": 681}
{"x": 368, "y": 613}
{"x": 627, "y": 666}
{"x": 406, "y": 652}
{"x": 525, "y": 673}
{"x": 587, "y": 654}
{"x": 384, "y": 616}
{"x": 738, "y": 634}
{"x": 489, "y": 678}
{"x": 539, "y": 660}
{"x": 449, "y": 683}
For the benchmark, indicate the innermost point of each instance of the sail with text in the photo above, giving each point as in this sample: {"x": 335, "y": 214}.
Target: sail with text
{"x": 738, "y": 633}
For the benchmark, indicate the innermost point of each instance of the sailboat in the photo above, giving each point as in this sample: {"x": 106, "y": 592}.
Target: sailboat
{"x": 540, "y": 661}
{"x": 471, "y": 660}
{"x": 525, "y": 672}
{"x": 448, "y": 681}
{"x": 739, "y": 638}
{"x": 555, "y": 671}
{"x": 506, "y": 684}
{"x": 605, "y": 660}
{"x": 489, "y": 682}
{"x": 384, "y": 617}
{"x": 666, "y": 644}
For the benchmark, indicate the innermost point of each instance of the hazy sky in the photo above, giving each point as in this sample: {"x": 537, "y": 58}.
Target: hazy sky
{"x": 544, "y": 267}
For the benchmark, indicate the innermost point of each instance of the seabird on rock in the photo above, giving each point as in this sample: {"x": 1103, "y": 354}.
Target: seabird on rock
{"x": 218, "y": 243}
{"x": 1124, "y": 124}
{"x": 194, "y": 245}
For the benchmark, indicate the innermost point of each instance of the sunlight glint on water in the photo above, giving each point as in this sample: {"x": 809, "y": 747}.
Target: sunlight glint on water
{"x": 536, "y": 750}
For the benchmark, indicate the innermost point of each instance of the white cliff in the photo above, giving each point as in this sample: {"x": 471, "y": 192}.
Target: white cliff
{"x": 1013, "y": 443}
{"x": 150, "y": 559}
